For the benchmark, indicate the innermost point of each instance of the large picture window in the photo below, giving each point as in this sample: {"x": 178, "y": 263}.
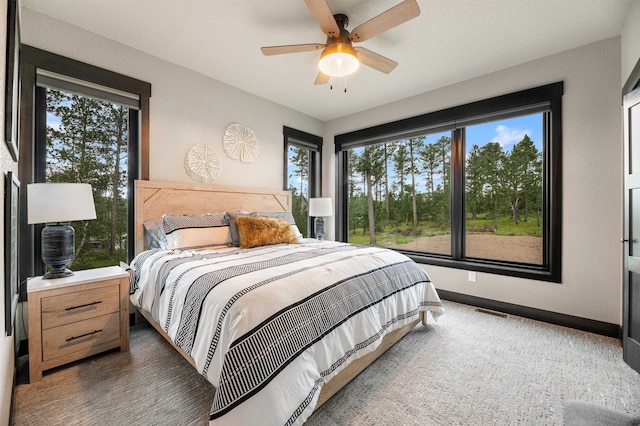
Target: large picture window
{"x": 474, "y": 187}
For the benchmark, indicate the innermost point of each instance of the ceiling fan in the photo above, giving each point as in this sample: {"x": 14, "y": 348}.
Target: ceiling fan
{"x": 339, "y": 58}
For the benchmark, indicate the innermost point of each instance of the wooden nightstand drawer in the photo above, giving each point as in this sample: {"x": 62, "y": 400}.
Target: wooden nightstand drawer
{"x": 78, "y": 336}
{"x": 75, "y": 317}
{"x": 80, "y": 305}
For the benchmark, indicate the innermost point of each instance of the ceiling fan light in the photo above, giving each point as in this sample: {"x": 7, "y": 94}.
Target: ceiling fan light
{"x": 338, "y": 60}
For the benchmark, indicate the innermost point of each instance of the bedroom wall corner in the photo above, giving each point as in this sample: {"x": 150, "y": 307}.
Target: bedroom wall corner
{"x": 186, "y": 107}
{"x": 7, "y": 355}
{"x": 630, "y": 40}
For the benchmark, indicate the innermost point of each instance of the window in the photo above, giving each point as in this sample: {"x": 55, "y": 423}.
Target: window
{"x": 80, "y": 123}
{"x": 399, "y": 194}
{"x": 87, "y": 142}
{"x": 303, "y": 153}
{"x": 503, "y": 189}
{"x": 475, "y": 187}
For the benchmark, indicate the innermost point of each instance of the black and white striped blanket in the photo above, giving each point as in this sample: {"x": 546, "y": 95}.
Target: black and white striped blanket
{"x": 269, "y": 326}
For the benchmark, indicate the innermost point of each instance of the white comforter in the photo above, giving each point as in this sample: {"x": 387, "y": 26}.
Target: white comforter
{"x": 269, "y": 326}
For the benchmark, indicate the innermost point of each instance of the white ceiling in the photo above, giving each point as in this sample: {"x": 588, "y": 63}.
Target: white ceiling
{"x": 451, "y": 41}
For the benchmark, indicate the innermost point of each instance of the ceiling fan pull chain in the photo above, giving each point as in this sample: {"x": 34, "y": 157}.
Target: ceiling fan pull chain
{"x": 345, "y": 84}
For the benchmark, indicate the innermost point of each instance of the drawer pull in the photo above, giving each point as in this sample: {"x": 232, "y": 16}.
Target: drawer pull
{"x": 83, "y": 306}
{"x": 83, "y": 335}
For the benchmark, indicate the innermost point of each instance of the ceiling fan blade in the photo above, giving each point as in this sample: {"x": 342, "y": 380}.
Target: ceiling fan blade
{"x": 375, "y": 60}
{"x": 321, "y": 78}
{"x": 324, "y": 17}
{"x": 291, "y": 48}
{"x": 393, "y": 17}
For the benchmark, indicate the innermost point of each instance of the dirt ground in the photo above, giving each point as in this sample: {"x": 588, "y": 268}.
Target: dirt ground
{"x": 514, "y": 248}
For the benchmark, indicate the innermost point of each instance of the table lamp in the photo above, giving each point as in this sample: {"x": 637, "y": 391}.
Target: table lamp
{"x": 320, "y": 208}
{"x": 52, "y": 204}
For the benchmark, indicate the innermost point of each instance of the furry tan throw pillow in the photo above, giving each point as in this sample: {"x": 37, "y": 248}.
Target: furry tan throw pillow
{"x": 256, "y": 231}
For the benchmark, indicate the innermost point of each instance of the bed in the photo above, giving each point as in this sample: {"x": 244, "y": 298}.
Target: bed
{"x": 277, "y": 328}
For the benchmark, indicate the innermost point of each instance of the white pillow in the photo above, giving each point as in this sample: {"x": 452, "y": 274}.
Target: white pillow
{"x": 191, "y": 231}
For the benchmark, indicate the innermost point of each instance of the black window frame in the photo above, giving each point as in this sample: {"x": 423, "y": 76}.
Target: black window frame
{"x": 314, "y": 144}
{"x": 458, "y": 117}
{"x": 31, "y": 164}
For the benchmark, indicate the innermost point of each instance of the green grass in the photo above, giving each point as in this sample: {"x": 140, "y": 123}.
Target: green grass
{"x": 358, "y": 238}
{"x": 507, "y": 227}
{"x": 96, "y": 259}
{"x": 400, "y": 233}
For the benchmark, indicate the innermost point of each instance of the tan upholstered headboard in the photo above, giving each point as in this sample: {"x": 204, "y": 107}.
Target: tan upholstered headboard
{"x": 155, "y": 198}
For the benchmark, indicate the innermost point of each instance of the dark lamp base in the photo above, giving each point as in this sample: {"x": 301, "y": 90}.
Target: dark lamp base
{"x": 57, "y": 273}
{"x": 57, "y": 249}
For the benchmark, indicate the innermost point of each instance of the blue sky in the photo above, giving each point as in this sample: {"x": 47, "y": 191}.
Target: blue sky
{"x": 506, "y": 132}
{"x": 53, "y": 121}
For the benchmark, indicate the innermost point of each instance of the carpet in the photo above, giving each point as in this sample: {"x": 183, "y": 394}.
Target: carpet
{"x": 469, "y": 368}
{"x": 579, "y": 413}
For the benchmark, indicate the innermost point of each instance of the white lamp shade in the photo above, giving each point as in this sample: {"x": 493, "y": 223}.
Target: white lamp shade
{"x": 320, "y": 207}
{"x": 59, "y": 202}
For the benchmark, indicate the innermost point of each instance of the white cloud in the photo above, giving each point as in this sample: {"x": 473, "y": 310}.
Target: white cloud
{"x": 54, "y": 122}
{"x": 507, "y": 136}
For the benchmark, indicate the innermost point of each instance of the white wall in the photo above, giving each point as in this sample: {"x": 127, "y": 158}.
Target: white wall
{"x": 592, "y": 175}
{"x": 6, "y": 164}
{"x": 186, "y": 108}
{"x": 631, "y": 41}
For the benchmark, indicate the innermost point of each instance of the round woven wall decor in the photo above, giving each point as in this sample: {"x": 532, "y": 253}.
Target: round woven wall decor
{"x": 202, "y": 163}
{"x": 240, "y": 143}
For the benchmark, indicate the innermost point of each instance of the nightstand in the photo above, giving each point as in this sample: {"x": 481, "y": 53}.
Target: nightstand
{"x": 74, "y": 317}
